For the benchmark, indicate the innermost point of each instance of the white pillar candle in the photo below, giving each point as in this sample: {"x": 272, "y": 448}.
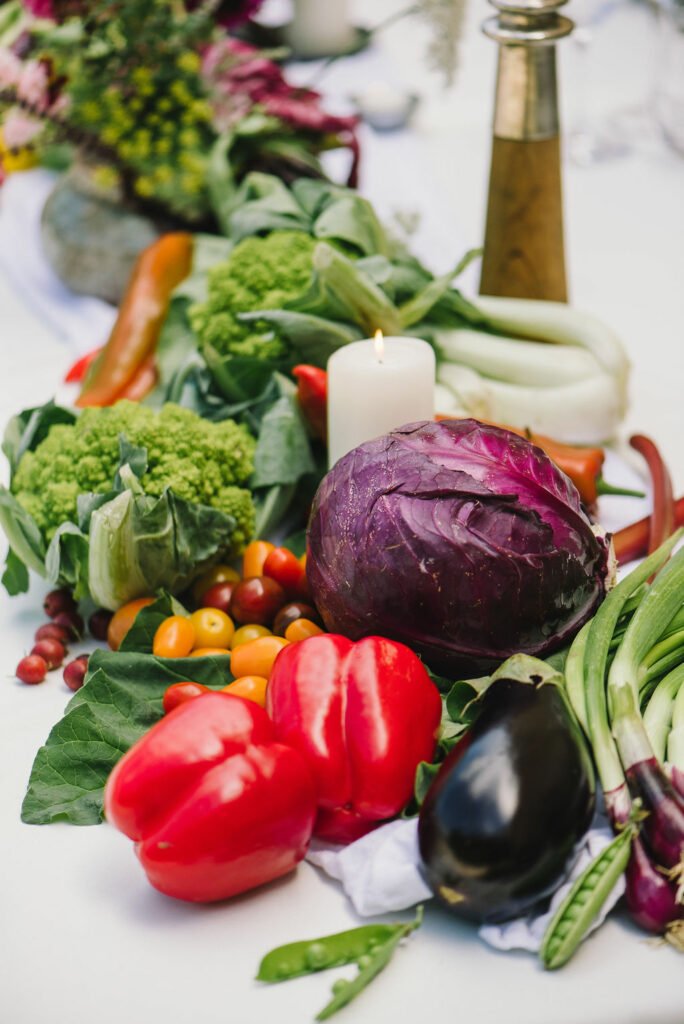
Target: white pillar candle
{"x": 376, "y": 385}
{"x": 320, "y": 28}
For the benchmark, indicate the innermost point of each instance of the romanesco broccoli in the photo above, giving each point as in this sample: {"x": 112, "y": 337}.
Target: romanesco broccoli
{"x": 202, "y": 462}
{"x": 260, "y": 273}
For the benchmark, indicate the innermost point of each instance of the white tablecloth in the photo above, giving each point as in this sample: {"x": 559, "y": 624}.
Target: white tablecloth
{"x": 83, "y": 937}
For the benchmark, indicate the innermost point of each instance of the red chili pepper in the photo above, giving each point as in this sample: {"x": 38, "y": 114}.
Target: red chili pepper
{"x": 364, "y": 715}
{"x": 79, "y": 369}
{"x": 312, "y": 393}
{"x": 631, "y": 541}
{"x": 663, "y": 518}
{"x": 215, "y": 804}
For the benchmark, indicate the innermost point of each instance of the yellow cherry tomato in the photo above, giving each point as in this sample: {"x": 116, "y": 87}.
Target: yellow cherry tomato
{"x": 254, "y": 557}
{"x": 300, "y": 629}
{"x": 213, "y": 628}
{"x": 302, "y": 560}
{"x": 256, "y": 657}
{"x": 219, "y": 574}
{"x": 122, "y": 620}
{"x": 202, "y": 652}
{"x": 175, "y": 638}
{"x": 252, "y": 631}
{"x": 249, "y": 687}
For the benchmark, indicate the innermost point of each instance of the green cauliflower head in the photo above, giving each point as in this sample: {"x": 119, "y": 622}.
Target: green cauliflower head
{"x": 203, "y": 462}
{"x": 260, "y": 273}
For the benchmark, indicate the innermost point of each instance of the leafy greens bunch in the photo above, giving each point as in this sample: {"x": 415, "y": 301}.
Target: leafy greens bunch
{"x": 123, "y": 500}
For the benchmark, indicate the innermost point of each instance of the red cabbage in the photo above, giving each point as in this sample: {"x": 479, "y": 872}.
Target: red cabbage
{"x": 461, "y": 540}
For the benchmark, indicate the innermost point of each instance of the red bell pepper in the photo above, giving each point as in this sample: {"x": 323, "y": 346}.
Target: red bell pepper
{"x": 214, "y": 803}
{"x": 363, "y": 715}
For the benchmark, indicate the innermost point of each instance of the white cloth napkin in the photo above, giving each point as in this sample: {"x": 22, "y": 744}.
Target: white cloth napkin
{"x": 380, "y": 873}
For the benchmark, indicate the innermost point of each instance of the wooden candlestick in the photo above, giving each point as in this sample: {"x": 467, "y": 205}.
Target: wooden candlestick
{"x": 524, "y": 252}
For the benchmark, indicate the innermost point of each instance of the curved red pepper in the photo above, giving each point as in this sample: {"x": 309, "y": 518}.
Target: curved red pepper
{"x": 363, "y": 715}
{"x": 312, "y": 394}
{"x": 215, "y": 805}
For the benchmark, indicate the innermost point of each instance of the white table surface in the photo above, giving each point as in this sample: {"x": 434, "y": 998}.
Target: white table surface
{"x": 83, "y": 937}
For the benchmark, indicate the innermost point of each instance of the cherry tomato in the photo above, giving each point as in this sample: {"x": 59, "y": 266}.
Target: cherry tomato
{"x": 218, "y": 596}
{"x": 252, "y": 631}
{"x": 292, "y": 611}
{"x": 285, "y": 568}
{"x": 256, "y": 599}
{"x": 213, "y": 628}
{"x": 249, "y": 687}
{"x": 175, "y": 638}
{"x": 254, "y": 557}
{"x": 300, "y": 629}
{"x": 181, "y": 693}
{"x": 203, "y": 652}
{"x": 123, "y": 619}
{"x": 219, "y": 574}
{"x": 256, "y": 658}
{"x": 51, "y": 651}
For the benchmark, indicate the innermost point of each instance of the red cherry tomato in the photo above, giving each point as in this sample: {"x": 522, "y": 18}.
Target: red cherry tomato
{"x": 218, "y": 596}
{"x": 289, "y": 613}
{"x": 32, "y": 669}
{"x": 285, "y": 568}
{"x": 181, "y": 693}
{"x": 256, "y": 600}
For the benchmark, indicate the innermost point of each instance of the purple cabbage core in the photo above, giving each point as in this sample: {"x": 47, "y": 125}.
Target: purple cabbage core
{"x": 462, "y": 540}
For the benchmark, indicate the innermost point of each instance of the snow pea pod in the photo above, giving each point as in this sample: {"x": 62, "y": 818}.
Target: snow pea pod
{"x": 371, "y": 947}
{"x": 574, "y": 916}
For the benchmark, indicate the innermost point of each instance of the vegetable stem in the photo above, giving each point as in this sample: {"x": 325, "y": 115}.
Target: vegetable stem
{"x": 663, "y": 518}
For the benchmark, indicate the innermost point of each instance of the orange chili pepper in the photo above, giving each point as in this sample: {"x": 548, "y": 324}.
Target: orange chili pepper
{"x": 158, "y": 270}
{"x": 142, "y": 382}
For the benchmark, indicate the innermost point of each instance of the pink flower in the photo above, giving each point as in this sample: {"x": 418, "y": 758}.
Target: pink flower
{"x": 10, "y": 69}
{"x": 33, "y": 85}
{"x": 18, "y": 129}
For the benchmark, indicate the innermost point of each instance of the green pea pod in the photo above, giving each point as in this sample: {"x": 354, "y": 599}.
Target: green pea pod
{"x": 580, "y": 907}
{"x": 370, "y": 946}
{"x": 298, "y": 958}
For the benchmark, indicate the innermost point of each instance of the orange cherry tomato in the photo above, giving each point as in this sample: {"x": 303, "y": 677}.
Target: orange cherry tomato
{"x": 181, "y": 693}
{"x": 300, "y": 629}
{"x": 204, "y": 652}
{"x": 254, "y": 557}
{"x": 122, "y": 620}
{"x": 252, "y": 631}
{"x": 175, "y": 638}
{"x": 286, "y": 569}
{"x": 213, "y": 628}
{"x": 256, "y": 657}
{"x": 219, "y": 574}
{"x": 249, "y": 687}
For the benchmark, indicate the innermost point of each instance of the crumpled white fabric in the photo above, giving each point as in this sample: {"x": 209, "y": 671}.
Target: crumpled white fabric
{"x": 380, "y": 873}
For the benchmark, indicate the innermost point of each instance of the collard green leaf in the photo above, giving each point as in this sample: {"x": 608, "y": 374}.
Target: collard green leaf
{"x": 66, "y": 561}
{"x": 22, "y": 533}
{"x": 27, "y": 429}
{"x": 352, "y": 219}
{"x": 239, "y": 378}
{"x": 313, "y": 338}
{"x": 15, "y": 578}
{"x": 121, "y": 699}
{"x": 264, "y": 203}
{"x": 140, "y": 637}
{"x": 283, "y": 453}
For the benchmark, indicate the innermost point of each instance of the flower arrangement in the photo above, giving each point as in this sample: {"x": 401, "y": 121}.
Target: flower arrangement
{"x": 157, "y": 98}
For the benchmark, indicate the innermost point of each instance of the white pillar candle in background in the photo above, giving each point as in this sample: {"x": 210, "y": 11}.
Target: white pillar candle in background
{"x": 376, "y": 385}
{"x": 320, "y": 28}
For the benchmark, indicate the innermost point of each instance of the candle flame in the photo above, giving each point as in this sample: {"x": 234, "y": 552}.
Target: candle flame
{"x": 379, "y": 344}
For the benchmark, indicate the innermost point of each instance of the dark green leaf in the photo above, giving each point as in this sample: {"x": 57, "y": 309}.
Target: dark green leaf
{"x": 461, "y": 700}
{"x": 426, "y": 774}
{"x": 27, "y": 429}
{"x": 24, "y": 537}
{"x": 139, "y": 638}
{"x": 15, "y": 578}
{"x": 296, "y": 543}
{"x": 239, "y": 378}
{"x": 132, "y": 456}
{"x": 121, "y": 699}
{"x": 272, "y": 505}
{"x": 283, "y": 453}
{"x": 352, "y": 219}
{"x": 66, "y": 561}
{"x": 313, "y": 338}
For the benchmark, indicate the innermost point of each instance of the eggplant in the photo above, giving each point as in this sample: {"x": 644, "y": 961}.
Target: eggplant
{"x": 501, "y": 823}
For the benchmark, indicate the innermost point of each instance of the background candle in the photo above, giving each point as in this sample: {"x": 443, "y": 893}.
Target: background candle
{"x": 370, "y": 392}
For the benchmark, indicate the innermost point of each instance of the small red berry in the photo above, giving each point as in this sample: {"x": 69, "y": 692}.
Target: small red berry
{"x": 32, "y": 669}
{"x": 75, "y": 672}
{"x": 71, "y": 621}
{"x": 51, "y": 631}
{"x": 98, "y": 623}
{"x": 51, "y": 651}
{"x": 58, "y": 601}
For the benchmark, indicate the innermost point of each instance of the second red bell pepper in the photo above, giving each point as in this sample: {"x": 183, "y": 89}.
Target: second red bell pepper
{"x": 364, "y": 715}
{"x": 215, "y": 804}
